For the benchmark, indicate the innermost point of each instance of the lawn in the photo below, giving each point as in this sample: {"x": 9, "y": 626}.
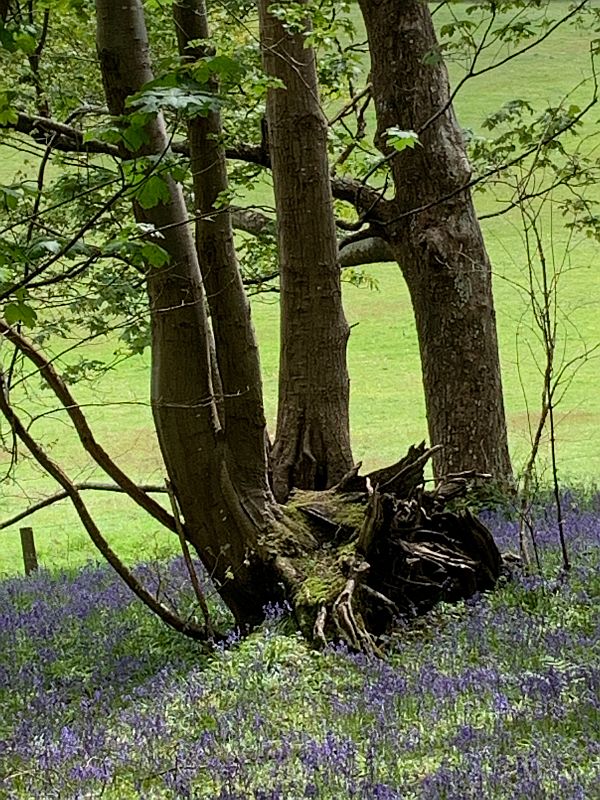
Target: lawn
{"x": 494, "y": 699}
{"x": 386, "y": 396}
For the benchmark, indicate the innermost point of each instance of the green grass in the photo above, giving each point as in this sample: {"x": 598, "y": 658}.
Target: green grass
{"x": 386, "y": 396}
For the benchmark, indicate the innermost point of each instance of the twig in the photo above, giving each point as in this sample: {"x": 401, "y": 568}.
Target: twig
{"x": 188, "y": 559}
{"x": 81, "y": 487}
{"x": 80, "y": 423}
{"x": 55, "y": 471}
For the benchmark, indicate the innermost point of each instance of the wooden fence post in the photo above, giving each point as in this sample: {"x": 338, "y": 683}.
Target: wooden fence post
{"x": 28, "y": 547}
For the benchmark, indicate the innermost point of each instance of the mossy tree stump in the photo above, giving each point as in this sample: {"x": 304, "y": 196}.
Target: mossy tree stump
{"x": 374, "y": 549}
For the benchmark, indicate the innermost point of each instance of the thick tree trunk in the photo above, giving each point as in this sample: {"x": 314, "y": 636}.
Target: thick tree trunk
{"x": 437, "y": 241}
{"x": 312, "y": 446}
{"x": 223, "y": 521}
{"x": 242, "y": 413}
{"x": 348, "y": 559}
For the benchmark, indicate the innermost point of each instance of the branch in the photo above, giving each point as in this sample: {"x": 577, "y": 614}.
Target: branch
{"x": 473, "y": 73}
{"x": 502, "y": 167}
{"x": 165, "y": 614}
{"x": 251, "y": 221}
{"x": 355, "y": 251}
{"x": 86, "y": 437}
{"x": 81, "y": 487}
{"x": 364, "y": 248}
{"x": 350, "y": 105}
{"x": 70, "y": 140}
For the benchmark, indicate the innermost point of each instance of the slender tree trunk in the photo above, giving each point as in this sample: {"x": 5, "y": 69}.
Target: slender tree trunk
{"x": 440, "y": 248}
{"x": 235, "y": 342}
{"x": 221, "y": 518}
{"x": 312, "y": 446}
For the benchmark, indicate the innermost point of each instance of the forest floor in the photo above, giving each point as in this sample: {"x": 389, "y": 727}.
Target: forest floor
{"x": 493, "y": 699}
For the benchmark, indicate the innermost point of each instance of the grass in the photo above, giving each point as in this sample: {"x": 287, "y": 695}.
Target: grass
{"x": 490, "y": 700}
{"x": 386, "y": 396}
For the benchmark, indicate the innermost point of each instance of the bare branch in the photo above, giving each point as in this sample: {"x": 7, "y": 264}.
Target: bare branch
{"x": 100, "y": 456}
{"x": 81, "y": 487}
{"x": 349, "y": 107}
{"x": 52, "y": 468}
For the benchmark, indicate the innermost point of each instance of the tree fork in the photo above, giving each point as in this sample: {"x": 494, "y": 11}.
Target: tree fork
{"x": 223, "y": 520}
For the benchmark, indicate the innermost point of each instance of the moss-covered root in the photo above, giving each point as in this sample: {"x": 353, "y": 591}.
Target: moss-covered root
{"x": 329, "y": 604}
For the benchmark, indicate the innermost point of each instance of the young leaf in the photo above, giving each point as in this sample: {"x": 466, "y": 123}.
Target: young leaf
{"x": 20, "y": 312}
{"x": 153, "y": 190}
{"x": 400, "y": 139}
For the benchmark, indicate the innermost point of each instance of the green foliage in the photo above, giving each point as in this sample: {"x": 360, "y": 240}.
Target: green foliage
{"x": 401, "y": 140}
{"x": 190, "y": 101}
{"x": 15, "y": 37}
{"x": 20, "y": 312}
{"x": 7, "y": 111}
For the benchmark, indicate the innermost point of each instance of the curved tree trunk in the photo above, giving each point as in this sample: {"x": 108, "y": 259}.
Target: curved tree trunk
{"x": 312, "y": 446}
{"x": 223, "y": 519}
{"x": 236, "y": 348}
{"x": 438, "y": 242}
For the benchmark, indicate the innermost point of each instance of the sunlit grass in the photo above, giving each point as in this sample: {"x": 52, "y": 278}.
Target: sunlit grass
{"x": 386, "y": 396}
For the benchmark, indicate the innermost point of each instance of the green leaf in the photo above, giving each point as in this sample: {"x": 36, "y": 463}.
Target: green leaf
{"x": 433, "y": 58}
{"x": 136, "y": 134}
{"x": 10, "y": 197}
{"x": 20, "y": 312}
{"x": 191, "y": 100}
{"x": 8, "y": 114}
{"x": 155, "y": 255}
{"x": 152, "y": 191}
{"x": 400, "y": 140}
{"x": 225, "y": 67}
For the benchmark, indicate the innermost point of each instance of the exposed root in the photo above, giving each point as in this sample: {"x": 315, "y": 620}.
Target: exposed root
{"x": 379, "y": 548}
{"x": 319, "y": 627}
{"x": 348, "y": 624}
{"x": 385, "y": 601}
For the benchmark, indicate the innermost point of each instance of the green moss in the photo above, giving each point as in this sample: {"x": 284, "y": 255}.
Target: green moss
{"x": 318, "y": 590}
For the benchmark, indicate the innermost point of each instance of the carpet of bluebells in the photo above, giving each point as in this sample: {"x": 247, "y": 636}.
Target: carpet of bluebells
{"x": 496, "y": 698}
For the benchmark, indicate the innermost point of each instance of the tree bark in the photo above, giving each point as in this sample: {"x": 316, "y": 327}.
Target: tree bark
{"x": 222, "y": 520}
{"x": 438, "y": 243}
{"x": 312, "y": 445}
{"x": 236, "y": 348}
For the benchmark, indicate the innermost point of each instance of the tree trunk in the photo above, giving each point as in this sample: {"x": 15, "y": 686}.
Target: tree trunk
{"x": 437, "y": 241}
{"x": 223, "y": 520}
{"x": 242, "y": 413}
{"x": 350, "y": 559}
{"x": 312, "y": 446}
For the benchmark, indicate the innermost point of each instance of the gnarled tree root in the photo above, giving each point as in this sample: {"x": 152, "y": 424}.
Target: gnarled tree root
{"x": 383, "y": 548}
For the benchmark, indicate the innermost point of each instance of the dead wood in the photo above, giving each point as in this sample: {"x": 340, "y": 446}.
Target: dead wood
{"x": 387, "y": 548}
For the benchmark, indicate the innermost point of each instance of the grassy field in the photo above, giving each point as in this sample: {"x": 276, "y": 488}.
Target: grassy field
{"x": 387, "y": 401}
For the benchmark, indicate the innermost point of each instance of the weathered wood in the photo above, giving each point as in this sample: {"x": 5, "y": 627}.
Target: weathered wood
{"x": 29, "y": 552}
{"x": 388, "y": 548}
